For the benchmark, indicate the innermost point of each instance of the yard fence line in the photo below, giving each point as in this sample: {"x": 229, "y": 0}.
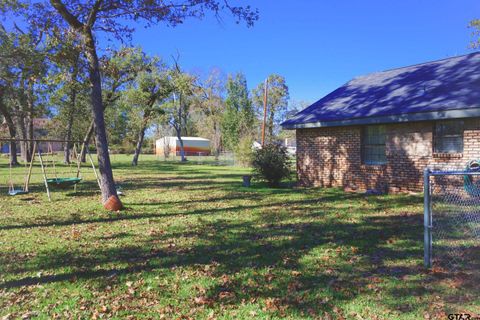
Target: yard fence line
{"x": 223, "y": 159}
{"x": 452, "y": 219}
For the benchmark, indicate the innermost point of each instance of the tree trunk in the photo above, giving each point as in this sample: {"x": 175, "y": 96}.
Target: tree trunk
{"x": 13, "y": 153}
{"x": 138, "y": 147}
{"x": 182, "y": 150}
{"x": 141, "y": 136}
{"x": 86, "y": 141}
{"x": 178, "y": 129}
{"x": 12, "y": 132}
{"x": 271, "y": 127}
{"x": 29, "y": 118}
{"x": 13, "y": 144}
{"x": 30, "y": 136}
{"x": 22, "y": 131}
{"x": 71, "y": 111}
{"x": 68, "y": 134}
{"x": 68, "y": 138}
{"x": 216, "y": 141}
{"x": 21, "y": 118}
{"x": 107, "y": 183}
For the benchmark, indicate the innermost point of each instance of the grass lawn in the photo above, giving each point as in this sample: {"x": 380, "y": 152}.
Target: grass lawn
{"x": 194, "y": 244}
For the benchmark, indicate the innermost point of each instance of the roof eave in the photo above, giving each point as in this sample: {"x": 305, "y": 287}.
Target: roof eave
{"x": 409, "y": 117}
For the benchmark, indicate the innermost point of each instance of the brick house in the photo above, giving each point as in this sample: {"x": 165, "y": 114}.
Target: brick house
{"x": 379, "y": 131}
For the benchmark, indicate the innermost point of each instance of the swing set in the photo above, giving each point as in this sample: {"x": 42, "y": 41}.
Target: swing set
{"x": 57, "y": 182}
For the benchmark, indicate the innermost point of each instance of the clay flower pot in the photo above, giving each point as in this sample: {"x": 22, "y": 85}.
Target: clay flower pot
{"x": 113, "y": 204}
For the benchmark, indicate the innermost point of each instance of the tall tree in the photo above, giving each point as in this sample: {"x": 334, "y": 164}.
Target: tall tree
{"x": 6, "y": 113}
{"x": 239, "y": 117}
{"x": 68, "y": 78}
{"x": 475, "y": 25}
{"x": 115, "y": 17}
{"x": 24, "y": 75}
{"x": 212, "y": 106}
{"x": 144, "y": 99}
{"x": 7, "y": 57}
{"x": 277, "y": 103}
{"x": 294, "y": 106}
{"x": 183, "y": 88}
{"x": 118, "y": 69}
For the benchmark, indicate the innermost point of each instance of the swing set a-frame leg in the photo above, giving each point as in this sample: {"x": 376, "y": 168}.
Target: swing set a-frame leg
{"x": 29, "y": 175}
{"x": 44, "y": 175}
{"x": 79, "y": 164}
{"x": 93, "y": 167}
{"x": 78, "y": 156}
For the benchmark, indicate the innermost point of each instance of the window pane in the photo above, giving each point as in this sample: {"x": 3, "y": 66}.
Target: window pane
{"x": 374, "y": 154}
{"x": 374, "y": 135}
{"x": 449, "y": 136}
{"x": 454, "y": 127}
{"x": 450, "y": 145}
{"x": 374, "y": 145}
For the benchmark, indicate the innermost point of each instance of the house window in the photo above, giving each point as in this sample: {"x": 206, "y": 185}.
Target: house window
{"x": 373, "y": 145}
{"x": 448, "y": 136}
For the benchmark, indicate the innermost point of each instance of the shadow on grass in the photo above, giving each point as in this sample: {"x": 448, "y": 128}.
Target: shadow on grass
{"x": 240, "y": 251}
{"x": 128, "y": 214}
{"x": 264, "y": 258}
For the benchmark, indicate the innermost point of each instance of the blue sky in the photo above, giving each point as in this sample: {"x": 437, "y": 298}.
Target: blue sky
{"x": 319, "y": 45}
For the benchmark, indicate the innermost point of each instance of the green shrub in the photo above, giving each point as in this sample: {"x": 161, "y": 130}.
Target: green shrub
{"x": 148, "y": 149}
{"x": 124, "y": 148}
{"x": 244, "y": 152}
{"x": 271, "y": 164}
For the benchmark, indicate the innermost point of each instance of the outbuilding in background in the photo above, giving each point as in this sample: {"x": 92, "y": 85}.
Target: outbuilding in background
{"x": 193, "y": 146}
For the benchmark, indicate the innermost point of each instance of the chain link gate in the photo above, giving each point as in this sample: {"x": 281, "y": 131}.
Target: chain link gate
{"x": 452, "y": 220}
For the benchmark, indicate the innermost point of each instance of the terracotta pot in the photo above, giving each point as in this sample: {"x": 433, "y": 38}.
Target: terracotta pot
{"x": 113, "y": 204}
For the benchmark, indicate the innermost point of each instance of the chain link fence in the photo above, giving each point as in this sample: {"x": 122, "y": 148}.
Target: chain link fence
{"x": 452, "y": 219}
{"x": 223, "y": 158}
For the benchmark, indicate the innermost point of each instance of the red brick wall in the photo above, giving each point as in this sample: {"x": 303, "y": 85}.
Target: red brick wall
{"x": 331, "y": 157}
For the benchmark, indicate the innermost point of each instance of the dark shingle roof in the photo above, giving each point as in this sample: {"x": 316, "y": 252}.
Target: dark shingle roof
{"x": 448, "y": 88}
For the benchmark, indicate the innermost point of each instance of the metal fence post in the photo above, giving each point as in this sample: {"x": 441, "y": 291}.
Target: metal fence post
{"x": 427, "y": 220}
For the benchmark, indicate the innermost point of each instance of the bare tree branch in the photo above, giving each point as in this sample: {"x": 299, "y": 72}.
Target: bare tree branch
{"x": 70, "y": 18}
{"x": 93, "y": 13}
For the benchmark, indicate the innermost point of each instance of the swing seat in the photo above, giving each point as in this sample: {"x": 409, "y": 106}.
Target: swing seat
{"x": 63, "y": 183}
{"x": 17, "y": 192}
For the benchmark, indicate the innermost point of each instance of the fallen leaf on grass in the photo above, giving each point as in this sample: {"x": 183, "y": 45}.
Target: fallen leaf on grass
{"x": 338, "y": 313}
{"x": 225, "y": 295}
{"x": 269, "y": 277}
{"x": 202, "y": 300}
